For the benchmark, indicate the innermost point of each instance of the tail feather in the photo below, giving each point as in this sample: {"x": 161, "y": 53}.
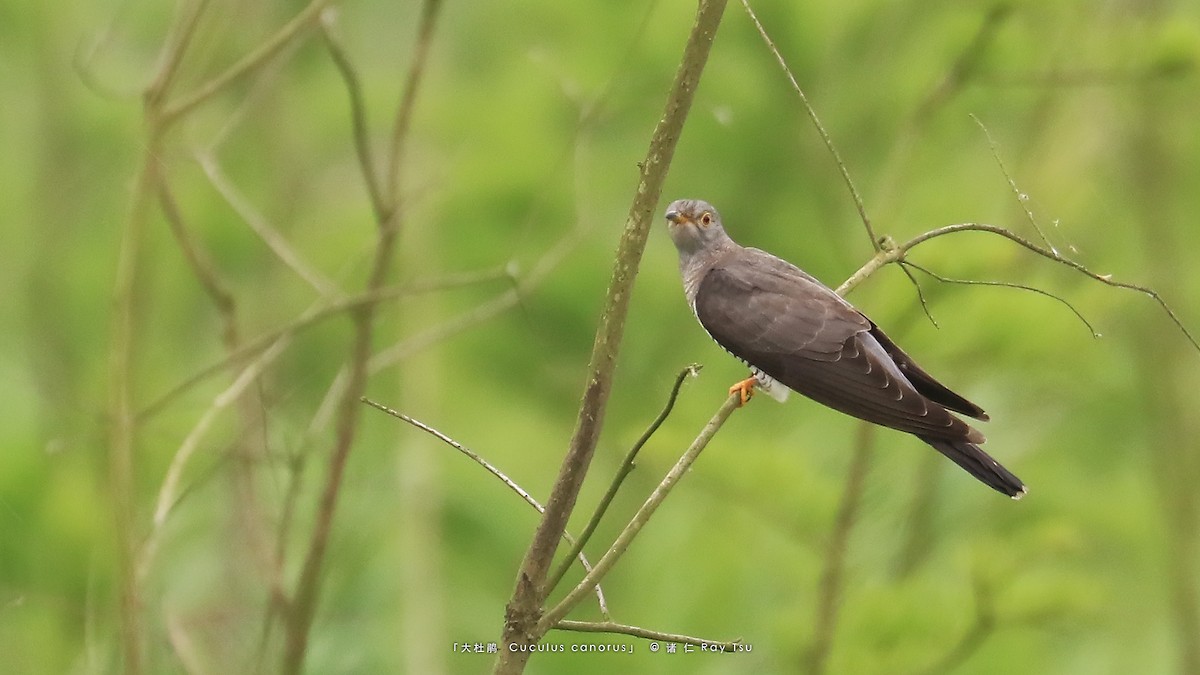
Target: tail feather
{"x": 980, "y": 465}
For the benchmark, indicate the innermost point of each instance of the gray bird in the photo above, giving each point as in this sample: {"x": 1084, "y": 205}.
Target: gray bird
{"x": 795, "y": 333}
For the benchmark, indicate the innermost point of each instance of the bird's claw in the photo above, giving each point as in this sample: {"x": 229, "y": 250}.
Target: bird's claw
{"x": 745, "y": 388}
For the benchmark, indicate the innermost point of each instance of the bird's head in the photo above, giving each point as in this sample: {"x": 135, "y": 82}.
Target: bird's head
{"x": 694, "y": 225}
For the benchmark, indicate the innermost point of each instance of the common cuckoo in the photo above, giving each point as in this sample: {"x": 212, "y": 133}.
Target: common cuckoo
{"x": 795, "y": 333}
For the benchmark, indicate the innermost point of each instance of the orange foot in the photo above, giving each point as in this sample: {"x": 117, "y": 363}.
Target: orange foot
{"x": 745, "y": 388}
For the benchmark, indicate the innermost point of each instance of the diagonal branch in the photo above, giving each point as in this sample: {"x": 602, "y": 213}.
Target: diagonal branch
{"x": 812, "y": 115}
{"x": 637, "y": 631}
{"x": 622, "y": 472}
{"x": 639, "y": 520}
{"x": 492, "y": 469}
{"x": 521, "y": 622}
{"x": 248, "y": 63}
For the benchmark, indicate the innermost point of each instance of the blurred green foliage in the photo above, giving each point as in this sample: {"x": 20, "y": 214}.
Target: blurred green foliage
{"x": 532, "y": 120}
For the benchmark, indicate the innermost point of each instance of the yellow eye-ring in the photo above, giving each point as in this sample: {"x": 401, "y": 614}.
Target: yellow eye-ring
{"x": 706, "y": 219}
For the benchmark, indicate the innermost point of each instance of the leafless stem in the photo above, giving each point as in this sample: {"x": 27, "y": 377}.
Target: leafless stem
{"x": 300, "y": 613}
{"x": 252, "y": 61}
{"x": 358, "y": 113}
{"x": 492, "y": 469}
{"x": 830, "y": 588}
{"x": 269, "y": 235}
{"x": 636, "y": 631}
{"x": 639, "y": 520}
{"x": 1021, "y": 197}
{"x": 622, "y": 472}
{"x": 812, "y": 115}
{"x": 521, "y": 620}
{"x": 1005, "y": 284}
{"x": 1052, "y": 255}
{"x": 314, "y": 316}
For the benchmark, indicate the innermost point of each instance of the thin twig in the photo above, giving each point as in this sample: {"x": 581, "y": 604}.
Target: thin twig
{"x": 898, "y": 253}
{"x": 1005, "y": 284}
{"x": 167, "y": 494}
{"x": 639, "y": 520}
{"x": 495, "y": 471}
{"x": 830, "y": 588}
{"x": 622, "y": 472}
{"x": 920, "y": 295}
{"x": 812, "y": 115}
{"x": 315, "y": 315}
{"x": 303, "y": 608}
{"x": 180, "y": 37}
{"x": 430, "y": 10}
{"x": 1022, "y": 198}
{"x": 358, "y": 112}
{"x": 274, "y": 240}
{"x": 1055, "y": 256}
{"x": 200, "y": 262}
{"x": 255, "y": 59}
{"x": 727, "y": 646}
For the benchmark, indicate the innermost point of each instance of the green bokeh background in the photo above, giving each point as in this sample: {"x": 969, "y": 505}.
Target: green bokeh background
{"x": 531, "y": 123}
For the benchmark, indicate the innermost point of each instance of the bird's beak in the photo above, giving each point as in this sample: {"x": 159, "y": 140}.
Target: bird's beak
{"x": 675, "y": 217}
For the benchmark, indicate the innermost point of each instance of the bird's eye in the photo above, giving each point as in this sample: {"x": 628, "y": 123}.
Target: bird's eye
{"x": 706, "y": 219}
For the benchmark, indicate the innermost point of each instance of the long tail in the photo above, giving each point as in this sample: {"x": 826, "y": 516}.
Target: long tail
{"x": 981, "y": 465}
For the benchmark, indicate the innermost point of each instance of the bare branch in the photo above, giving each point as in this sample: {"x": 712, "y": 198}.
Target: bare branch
{"x": 358, "y": 113}
{"x": 1022, "y": 198}
{"x": 830, "y": 589}
{"x": 812, "y": 115}
{"x": 521, "y": 623}
{"x": 1005, "y": 284}
{"x": 180, "y": 37}
{"x": 430, "y": 10}
{"x": 300, "y": 613}
{"x": 492, "y": 469}
{"x": 623, "y": 629}
{"x": 315, "y": 315}
{"x": 920, "y": 295}
{"x": 269, "y": 235}
{"x": 255, "y": 59}
{"x": 639, "y": 520}
{"x": 1053, "y": 255}
{"x": 622, "y": 472}
{"x": 168, "y": 492}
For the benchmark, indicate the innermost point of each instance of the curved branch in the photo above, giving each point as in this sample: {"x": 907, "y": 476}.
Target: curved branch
{"x": 1057, "y": 257}
{"x": 1004, "y": 284}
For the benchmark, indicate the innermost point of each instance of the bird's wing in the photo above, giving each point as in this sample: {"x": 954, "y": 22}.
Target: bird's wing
{"x": 780, "y": 320}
